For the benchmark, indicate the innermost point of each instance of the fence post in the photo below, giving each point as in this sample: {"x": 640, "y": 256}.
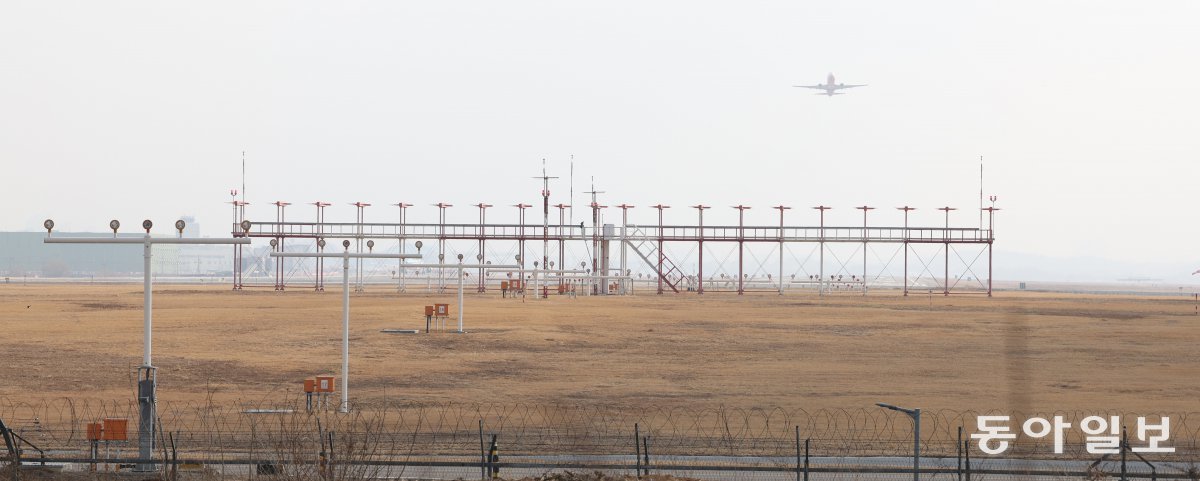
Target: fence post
{"x": 806, "y": 458}
{"x": 166, "y": 468}
{"x": 332, "y": 459}
{"x": 966, "y": 447}
{"x": 171, "y": 472}
{"x": 637, "y": 450}
{"x": 798, "y": 465}
{"x": 646, "y": 453}
{"x": 494, "y": 458}
{"x": 958, "y": 457}
{"x": 253, "y": 468}
{"x": 13, "y": 452}
{"x": 1124, "y": 450}
{"x": 482, "y": 453}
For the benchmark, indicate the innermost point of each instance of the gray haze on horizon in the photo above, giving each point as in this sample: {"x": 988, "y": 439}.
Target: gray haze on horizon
{"x": 1084, "y": 112}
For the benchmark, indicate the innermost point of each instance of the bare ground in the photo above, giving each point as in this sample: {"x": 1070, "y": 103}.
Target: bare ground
{"x": 1029, "y": 352}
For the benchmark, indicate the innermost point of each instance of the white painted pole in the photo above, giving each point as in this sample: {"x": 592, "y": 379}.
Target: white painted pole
{"x": 400, "y": 263}
{"x": 346, "y": 332}
{"x": 460, "y": 296}
{"x": 624, "y": 239}
{"x": 147, "y": 299}
{"x": 781, "y": 251}
{"x": 147, "y": 388}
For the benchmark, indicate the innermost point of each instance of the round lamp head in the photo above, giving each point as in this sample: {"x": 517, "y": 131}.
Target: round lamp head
{"x": 180, "y": 224}
{"x": 49, "y": 225}
{"x": 146, "y": 224}
{"x": 479, "y": 257}
{"x": 114, "y": 225}
{"x": 370, "y": 244}
{"x": 346, "y": 244}
{"x": 419, "y": 244}
{"x": 245, "y": 226}
{"x": 460, "y": 258}
{"x": 441, "y": 257}
{"x": 274, "y": 243}
{"x": 535, "y": 263}
{"x": 321, "y": 243}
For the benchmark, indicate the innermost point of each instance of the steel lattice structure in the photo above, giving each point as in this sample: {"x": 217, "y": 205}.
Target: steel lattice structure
{"x": 646, "y": 242}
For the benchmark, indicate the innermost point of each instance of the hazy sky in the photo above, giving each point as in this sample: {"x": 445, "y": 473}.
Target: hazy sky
{"x": 1085, "y": 111}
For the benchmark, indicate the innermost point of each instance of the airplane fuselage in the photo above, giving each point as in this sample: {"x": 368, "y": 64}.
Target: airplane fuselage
{"x": 830, "y": 86}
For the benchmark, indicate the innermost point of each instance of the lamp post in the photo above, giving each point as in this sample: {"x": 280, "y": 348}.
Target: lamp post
{"x": 147, "y": 373}
{"x": 821, "y": 283}
{"x": 915, "y": 414}
{"x": 865, "y": 209}
{"x": 906, "y": 210}
{"x": 699, "y": 248}
{"x": 991, "y": 239}
{"x": 400, "y": 287}
{"x": 482, "y": 246}
{"x": 741, "y": 238}
{"x": 360, "y": 219}
{"x": 946, "y": 250}
{"x": 660, "y": 208}
{"x": 346, "y": 255}
{"x": 781, "y": 208}
{"x": 461, "y": 268}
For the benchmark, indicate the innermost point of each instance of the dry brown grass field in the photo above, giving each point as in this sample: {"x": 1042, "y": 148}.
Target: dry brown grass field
{"x": 1017, "y": 351}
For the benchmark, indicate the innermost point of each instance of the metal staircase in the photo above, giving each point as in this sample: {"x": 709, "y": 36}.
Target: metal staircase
{"x": 647, "y": 249}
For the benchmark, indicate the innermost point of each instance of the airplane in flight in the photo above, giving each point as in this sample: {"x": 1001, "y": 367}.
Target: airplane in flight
{"x": 830, "y": 87}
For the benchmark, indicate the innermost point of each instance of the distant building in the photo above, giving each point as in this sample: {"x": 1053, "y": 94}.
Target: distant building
{"x": 24, "y": 254}
{"x": 192, "y": 228}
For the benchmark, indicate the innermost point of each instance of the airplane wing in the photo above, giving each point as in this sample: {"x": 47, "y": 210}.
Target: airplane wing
{"x": 822, "y": 87}
{"x": 843, "y": 86}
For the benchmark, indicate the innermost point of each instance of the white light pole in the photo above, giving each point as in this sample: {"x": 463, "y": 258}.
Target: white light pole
{"x": 147, "y": 375}
{"x": 462, "y": 269}
{"x": 460, "y": 293}
{"x": 345, "y": 256}
{"x": 915, "y": 414}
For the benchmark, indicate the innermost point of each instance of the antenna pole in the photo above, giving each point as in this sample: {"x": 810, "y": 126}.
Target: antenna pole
{"x": 572, "y": 206}
{"x": 545, "y": 227}
{"x": 981, "y": 192}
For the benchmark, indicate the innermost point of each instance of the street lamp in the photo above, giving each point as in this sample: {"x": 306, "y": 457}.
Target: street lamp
{"x": 346, "y": 255}
{"x": 147, "y": 373}
{"x": 915, "y": 414}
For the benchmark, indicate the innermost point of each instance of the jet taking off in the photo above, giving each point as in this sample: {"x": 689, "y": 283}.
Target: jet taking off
{"x": 830, "y": 87}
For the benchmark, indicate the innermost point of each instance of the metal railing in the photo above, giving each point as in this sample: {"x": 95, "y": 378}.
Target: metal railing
{"x": 718, "y": 233}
